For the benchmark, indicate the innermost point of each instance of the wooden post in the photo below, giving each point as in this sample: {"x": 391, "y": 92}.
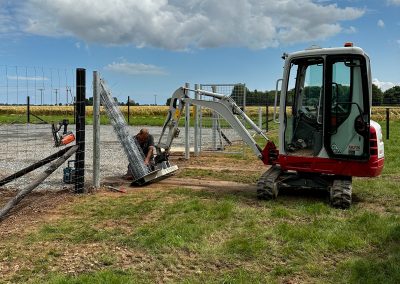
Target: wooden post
{"x": 34, "y": 166}
{"x": 28, "y": 189}
{"x": 28, "y": 109}
{"x": 129, "y": 105}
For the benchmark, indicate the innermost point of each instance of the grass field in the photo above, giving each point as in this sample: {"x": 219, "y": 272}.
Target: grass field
{"x": 138, "y": 115}
{"x": 217, "y": 234}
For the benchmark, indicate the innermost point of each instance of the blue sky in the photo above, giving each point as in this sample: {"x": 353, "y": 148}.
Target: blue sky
{"x": 144, "y": 48}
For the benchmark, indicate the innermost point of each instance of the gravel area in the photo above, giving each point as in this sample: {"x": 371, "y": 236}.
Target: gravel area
{"x": 24, "y": 144}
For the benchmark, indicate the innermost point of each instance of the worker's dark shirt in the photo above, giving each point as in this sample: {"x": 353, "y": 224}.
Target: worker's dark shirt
{"x": 146, "y": 144}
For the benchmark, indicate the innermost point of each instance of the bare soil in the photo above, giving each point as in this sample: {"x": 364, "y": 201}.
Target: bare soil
{"x": 35, "y": 208}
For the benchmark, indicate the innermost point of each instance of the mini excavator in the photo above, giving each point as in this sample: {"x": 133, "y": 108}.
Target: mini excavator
{"x": 326, "y": 135}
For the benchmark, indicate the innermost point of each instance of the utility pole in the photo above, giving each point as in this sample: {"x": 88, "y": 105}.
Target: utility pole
{"x": 155, "y": 99}
{"x": 68, "y": 89}
{"x": 56, "y": 90}
{"x": 41, "y": 95}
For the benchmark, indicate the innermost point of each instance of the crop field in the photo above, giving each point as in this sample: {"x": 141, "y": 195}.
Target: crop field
{"x": 139, "y": 115}
{"x": 205, "y": 225}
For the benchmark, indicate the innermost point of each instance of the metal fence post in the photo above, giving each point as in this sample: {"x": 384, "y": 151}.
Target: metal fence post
{"x": 387, "y": 122}
{"x": 80, "y": 130}
{"x": 187, "y": 126}
{"x": 244, "y": 110}
{"x": 196, "y": 122}
{"x": 214, "y": 122}
{"x": 96, "y": 131}
{"x": 201, "y": 121}
{"x": 244, "y": 96}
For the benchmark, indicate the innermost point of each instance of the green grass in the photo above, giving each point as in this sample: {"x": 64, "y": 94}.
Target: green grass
{"x": 150, "y": 119}
{"x": 382, "y": 266}
{"x": 270, "y": 240}
{"x": 99, "y": 277}
{"x": 179, "y": 225}
{"x": 238, "y": 275}
{"x": 184, "y": 235}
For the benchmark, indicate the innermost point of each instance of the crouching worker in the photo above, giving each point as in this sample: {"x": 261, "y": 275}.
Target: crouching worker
{"x": 146, "y": 143}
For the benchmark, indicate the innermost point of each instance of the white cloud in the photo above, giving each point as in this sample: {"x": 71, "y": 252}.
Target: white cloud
{"x": 381, "y": 24}
{"x": 7, "y": 22}
{"x": 24, "y": 78}
{"x": 394, "y": 2}
{"x": 78, "y": 45}
{"x": 350, "y": 30}
{"x": 383, "y": 85}
{"x": 128, "y": 68}
{"x": 179, "y": 25}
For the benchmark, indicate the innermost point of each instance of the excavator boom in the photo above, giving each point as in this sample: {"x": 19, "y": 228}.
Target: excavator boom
{"x": 224, "y": 106}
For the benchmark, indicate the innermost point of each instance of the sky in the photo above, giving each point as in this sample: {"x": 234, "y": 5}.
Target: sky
{"x": 146, "y": 49}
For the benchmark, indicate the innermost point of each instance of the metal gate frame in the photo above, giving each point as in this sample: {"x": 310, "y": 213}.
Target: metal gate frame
{"x": 218, "y": 137}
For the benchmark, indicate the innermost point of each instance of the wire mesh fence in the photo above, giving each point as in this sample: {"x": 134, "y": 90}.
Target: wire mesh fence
{"x": 31, "y": 100}
{"x": 215, "y": 133}
{"x": 130, "y": 145}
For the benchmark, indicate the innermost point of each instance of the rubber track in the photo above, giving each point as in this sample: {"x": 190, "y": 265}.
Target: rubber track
{"x": 341, "y": 193}
{"x": 266, "y": 188}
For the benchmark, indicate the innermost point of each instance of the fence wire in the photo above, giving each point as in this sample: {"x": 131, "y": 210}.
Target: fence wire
{"x": 215, "y": 133}
{"x": 131, "y": 147}
{"x": 26, "y": 137}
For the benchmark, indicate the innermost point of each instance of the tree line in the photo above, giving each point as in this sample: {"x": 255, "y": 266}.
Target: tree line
{"x": 261, "y": 98}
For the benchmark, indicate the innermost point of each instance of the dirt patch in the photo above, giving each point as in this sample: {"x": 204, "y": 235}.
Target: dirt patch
{"x": 218, "y": 162}
{"x": 33, "y": 209}
{"x": 214, "y": 188}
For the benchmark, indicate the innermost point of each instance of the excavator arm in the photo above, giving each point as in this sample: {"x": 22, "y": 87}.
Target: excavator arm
{"x": 224, "y": 106}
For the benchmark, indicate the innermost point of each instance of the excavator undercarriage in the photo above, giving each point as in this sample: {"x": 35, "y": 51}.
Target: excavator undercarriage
{"x": 274, "y": 179}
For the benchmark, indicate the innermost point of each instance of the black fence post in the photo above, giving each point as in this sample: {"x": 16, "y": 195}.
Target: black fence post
{"x": 28, "y": 109}
{"x": 266, "y": 115}
{"x": 80, "y": 130}
{"x": 129, "y": 104}
{"x": 387, "y": 122}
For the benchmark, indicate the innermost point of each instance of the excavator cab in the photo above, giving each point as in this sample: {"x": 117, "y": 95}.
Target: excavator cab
{"x": 327, "y": 107}
{"x": 326, "y": 135}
